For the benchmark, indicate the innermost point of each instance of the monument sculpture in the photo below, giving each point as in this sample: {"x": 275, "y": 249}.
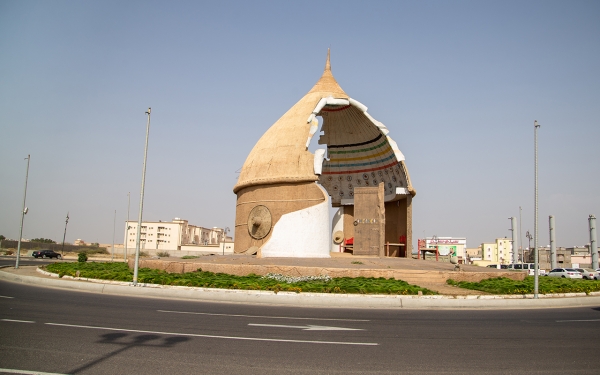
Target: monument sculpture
{"x": 284, "y": 191}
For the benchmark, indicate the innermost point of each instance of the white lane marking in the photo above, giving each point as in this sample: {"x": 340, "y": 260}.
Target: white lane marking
{"x": 214, "y": 336}
{"x": 18, "y": 321}
{"x": 6, "y": 297}
{"x": 308, "y": 327}
{"x": 262, "y": 316}
{"x": 582, "y": 320}
{"x": 13, "y": 371}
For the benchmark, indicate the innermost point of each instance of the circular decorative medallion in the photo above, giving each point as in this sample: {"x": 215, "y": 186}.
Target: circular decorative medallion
{"x": 350, "y": 186}
{"x": 349, "y": 178}
{"x": 380, "y": 173}
{"x": 329, "y": 178}
{"x": 365, "y": 176}
{"x": 341, "y": 193}
{"x": 358, "y": 182}
{"x": 335, "y": 188}
{"x": 259, "y": 222}
{"x": 374, "y": 182}
{"x": 340, "y": 178}
{"x": 351, "y": 193}
{"x": 390, "y": 185}
{"x": 373, "y": 174}
{"x": 394, "y": 178}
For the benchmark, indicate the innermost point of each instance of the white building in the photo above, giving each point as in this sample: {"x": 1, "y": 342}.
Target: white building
{"x": 447, "y": 245}
{"x": 173, "y": 235}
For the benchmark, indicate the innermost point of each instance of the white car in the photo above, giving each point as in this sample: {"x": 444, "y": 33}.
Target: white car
{"x": 569, "y": 273}
{"x": 588, "y": 274}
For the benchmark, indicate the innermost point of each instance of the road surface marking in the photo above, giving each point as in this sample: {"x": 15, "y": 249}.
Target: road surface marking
{"x": 13, "y": 371}
{"x": 307, "y": 327}
{"x": 213, "y": 336}
{"x": 582, "y": 320}
{"x": 18, "y": 321}
{"x": 262, "y": 316}
{"x": 6, "y": 297}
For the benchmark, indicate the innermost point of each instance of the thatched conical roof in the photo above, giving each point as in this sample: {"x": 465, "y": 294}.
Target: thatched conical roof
{"x": 280, "y": 155}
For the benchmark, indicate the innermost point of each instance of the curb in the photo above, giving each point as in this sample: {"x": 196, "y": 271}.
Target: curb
{"x": 308, "y": 299}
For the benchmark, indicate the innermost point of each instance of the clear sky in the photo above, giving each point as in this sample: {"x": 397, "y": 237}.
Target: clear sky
{"x": 458, "y": 83}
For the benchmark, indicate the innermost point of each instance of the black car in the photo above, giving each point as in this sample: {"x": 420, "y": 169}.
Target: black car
{"x": 45, "y": 254}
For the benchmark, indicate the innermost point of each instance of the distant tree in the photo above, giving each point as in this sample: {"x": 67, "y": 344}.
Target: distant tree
{"x": 95, "y": 244}
{"x": 2, "y": 237}
{"x": 43, "y": 240}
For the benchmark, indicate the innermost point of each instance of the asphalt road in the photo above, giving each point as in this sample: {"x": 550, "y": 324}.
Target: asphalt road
{"x": 24, "y": 261}
{"x": 67, "y": 332}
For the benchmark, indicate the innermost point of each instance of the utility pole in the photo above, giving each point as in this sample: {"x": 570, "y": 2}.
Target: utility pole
{"x": 112, "y": 256}
{"x": 127, "y": 228}
{"x": 520, "y": 235}
{"x": 139, "y": 227}
{"x": 23, "y": 212}
{"x": 552, "y": 243}
{"x": 513, "y": 228}
{"x": 535, "y": 223}
{"x": 593, "y": 241}
{"x": 62, "y": 251}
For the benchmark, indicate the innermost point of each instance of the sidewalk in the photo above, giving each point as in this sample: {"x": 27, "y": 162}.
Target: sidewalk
{"x": 30, "y": 275}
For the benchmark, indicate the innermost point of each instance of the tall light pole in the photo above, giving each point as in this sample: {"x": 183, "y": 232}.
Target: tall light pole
{"x": 520, "y": 235}
{"x": 62, "y": 251}
{"x": 225, "y": 238}
{"x": 127, "y": 228}
{"x": 536, "y": 273}
{"x": 139, "y": 227}
{"x": 23, "y": 212}
{"x": 112, "y": 254}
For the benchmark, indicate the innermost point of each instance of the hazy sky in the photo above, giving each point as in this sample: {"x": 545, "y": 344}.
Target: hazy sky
{"x": 458, "y": 83}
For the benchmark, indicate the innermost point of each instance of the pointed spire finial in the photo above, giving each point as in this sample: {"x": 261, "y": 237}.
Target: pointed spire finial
{"x": 328, "y": 63}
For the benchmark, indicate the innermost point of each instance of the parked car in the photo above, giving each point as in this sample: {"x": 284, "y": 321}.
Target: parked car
{"x": 46, "y": 254}
{"x": 529, "y": 267}
{"x": 588, "y": 274}
{"x": 569, "y": 273}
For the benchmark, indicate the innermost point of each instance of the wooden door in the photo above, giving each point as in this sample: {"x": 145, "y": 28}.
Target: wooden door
{"x": 369, "y": 221}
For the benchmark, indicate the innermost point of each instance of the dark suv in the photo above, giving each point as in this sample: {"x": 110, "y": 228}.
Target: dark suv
{"x": 45, "y": 254}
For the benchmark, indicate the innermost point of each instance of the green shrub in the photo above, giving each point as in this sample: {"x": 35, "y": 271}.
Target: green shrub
{"x": 163, "y": 254}
{"x": 190, "y": 257}
{"x": 547, "y": 285}
{"x": 121, "y": 272}
{"x": 93, "y": 250}
{"x": 144, "y": 254}
{"x": 82, "y": 257}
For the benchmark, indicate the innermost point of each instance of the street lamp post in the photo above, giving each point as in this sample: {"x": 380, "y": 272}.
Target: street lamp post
{"x": 139, "y": 227}
{"x": 127, "y": 230}
{"x": 529, "y": 237}
{"x": 225, "y": 238}
{"x": 23, "y": 212}
{"x": 535, "y": 223}
{"x": 62, "y": 250}
{"x": 112, "y": 256}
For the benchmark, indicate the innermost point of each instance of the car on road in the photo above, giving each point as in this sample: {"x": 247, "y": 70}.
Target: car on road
{"x": 588, "y": 274}
{"x": 45, "y": 254}
{"x": 529, "y": 267}
{"x": 568, "y": 273}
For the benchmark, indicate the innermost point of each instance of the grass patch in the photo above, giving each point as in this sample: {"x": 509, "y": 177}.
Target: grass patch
{"x": 93, "y": 250}
{"x": 190, "y": 257}
{"x": 121, "y": 272}
{"x": 356, "y": 262}
{"x": 547, "y": 285}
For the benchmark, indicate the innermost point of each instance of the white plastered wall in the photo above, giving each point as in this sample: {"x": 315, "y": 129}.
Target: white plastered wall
{"x": 301, "y": 234}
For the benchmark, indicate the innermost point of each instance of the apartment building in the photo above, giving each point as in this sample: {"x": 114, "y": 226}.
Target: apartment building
{"x": 499, "y": 252}
{"x": 163, "y": 235}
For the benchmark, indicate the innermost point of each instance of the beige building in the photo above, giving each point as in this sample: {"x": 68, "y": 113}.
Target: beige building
{"x": 172, "y": 235}
{"x": 499, "y": 252}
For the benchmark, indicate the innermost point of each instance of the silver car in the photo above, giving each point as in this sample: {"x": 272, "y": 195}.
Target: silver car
{"x": 568, "y": 273}
{"x": 588, "y": 274}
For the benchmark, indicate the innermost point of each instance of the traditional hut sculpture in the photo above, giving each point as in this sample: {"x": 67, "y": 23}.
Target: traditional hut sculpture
{"x": 281, "y": 209}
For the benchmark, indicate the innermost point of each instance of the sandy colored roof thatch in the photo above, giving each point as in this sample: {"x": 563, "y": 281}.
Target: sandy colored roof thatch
{"x": 281, "y": 155}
